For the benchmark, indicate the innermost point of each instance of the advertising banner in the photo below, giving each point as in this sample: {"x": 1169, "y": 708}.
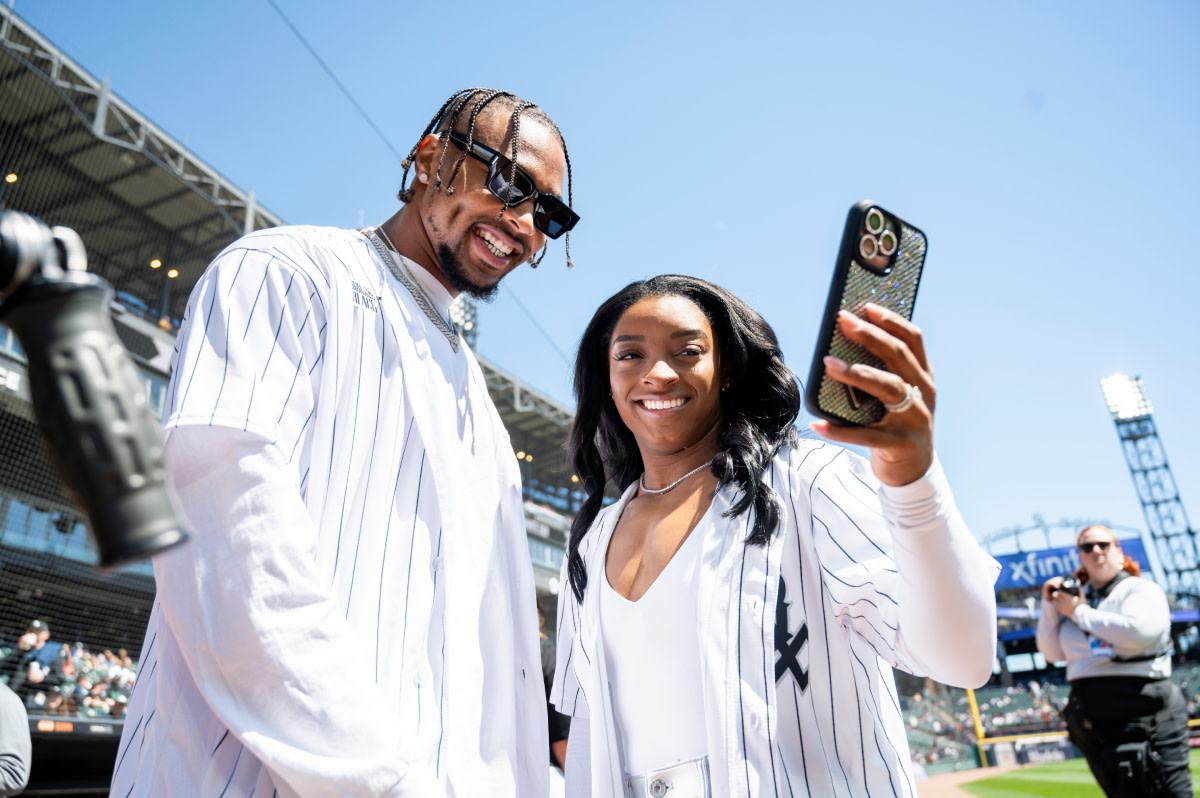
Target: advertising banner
{"x": 1032, "y": 568}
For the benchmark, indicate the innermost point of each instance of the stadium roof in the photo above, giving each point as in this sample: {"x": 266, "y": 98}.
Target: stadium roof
{"x": 86, "y": 159}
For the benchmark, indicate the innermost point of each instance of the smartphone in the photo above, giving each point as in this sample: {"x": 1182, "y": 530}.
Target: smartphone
{"x": 880, "y": 261}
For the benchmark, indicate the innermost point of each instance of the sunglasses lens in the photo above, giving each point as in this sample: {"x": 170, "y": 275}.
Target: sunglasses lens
{"x": 553, "y": 217}
{"x": 515, "y": 192}
{"x": 1087, "y": 548}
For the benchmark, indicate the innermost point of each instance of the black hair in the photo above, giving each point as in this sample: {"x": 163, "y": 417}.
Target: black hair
{"x": 758, "y": 409}
{"x": 474, "y": 100}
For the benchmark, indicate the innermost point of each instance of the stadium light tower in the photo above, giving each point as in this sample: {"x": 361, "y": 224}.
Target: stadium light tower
{"x": 1173, "y": 536}
{"x": 464, "y": 314}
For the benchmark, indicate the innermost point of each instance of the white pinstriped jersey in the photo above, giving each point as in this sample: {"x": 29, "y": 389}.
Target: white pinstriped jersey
{"x": 798, "y": 637}
{"x": 355, "y": 614}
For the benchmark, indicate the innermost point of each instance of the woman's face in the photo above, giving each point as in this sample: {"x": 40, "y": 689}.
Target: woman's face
{"x": 1102, "y": 564}
{"x": 665, "y": 374}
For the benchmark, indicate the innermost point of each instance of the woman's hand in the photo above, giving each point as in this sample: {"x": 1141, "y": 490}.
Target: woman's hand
{"x": 901, "y": 443}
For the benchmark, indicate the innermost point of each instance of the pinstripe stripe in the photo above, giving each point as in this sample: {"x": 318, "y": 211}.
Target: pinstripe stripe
{"x": 254, "y": 304}
{"x": 387, "y": 533}
{"x": 832, "y": 710}
{"x": 223, "y": 736}
{"x": 121, "y": 759}
{"x": 768, "y": 666}
{"x": 237, "y": 759}
{"x": 411, "y": 541}
{"x": 367, "y": 486}
{"x": 874, "y": 726}
{"x": 802, "y": 595}
{"x": 442, "y": 678}
{"x": 850, "y": 520}
{"x": 349, "y": 456}
{"x": 741, "y": 680}
{"x": 149, "y": 718}
{"x": 279, "y": 324}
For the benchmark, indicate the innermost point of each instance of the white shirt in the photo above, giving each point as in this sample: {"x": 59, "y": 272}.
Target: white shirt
{"x": 355, "y": 612}
{"x": 798, "y": 637}
{"x": 654, "y": 662}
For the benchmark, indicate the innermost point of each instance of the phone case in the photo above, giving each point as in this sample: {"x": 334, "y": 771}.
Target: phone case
{"x": 854, "y": 285}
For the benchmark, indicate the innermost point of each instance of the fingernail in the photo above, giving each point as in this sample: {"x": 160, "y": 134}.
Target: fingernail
{"x": 836, "y": 364}
{"x": 849, "y": 319}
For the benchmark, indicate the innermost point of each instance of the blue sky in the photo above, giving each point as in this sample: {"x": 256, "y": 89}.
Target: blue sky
{"x": 1049, "y": 151}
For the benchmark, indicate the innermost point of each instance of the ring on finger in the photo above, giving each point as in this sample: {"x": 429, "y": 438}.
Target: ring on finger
{"x": 911, "y": 395}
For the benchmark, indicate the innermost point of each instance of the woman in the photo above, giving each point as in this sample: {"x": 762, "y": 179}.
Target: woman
{"x": 1124, "y": 713}
{"x": 733, "y": 616}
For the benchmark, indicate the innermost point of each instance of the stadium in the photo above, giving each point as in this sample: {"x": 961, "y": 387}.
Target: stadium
{"x": 152, "y": 216}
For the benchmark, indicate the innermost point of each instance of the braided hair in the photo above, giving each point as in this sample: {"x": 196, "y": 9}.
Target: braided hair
{"x": 472, "y": 102}
{"x": 758, "y": 410}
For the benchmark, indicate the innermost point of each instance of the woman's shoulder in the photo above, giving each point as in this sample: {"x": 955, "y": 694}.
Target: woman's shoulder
{"x": 807, "y": 460}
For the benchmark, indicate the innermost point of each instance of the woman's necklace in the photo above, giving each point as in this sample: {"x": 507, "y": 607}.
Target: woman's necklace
{"x": 673, "y": 485}
{"x": 391, "y": 256}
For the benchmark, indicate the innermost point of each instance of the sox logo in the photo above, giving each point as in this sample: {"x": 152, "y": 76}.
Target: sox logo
{"x": 787, "y": 645}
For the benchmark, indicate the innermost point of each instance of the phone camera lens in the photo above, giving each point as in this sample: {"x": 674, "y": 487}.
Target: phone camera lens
{"x": 868, "y": 247}
{"x": 875, "y": 221}
{"x": 887, "y": 242}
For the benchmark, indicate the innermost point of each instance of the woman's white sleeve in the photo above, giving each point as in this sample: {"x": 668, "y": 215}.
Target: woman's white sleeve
{"x": 947, "y": 595}
{"x": 578, "y": 770}
{"x": 902, "y": 569}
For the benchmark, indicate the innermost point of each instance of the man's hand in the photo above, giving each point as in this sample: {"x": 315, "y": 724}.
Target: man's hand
{"x": 901, "y": 443}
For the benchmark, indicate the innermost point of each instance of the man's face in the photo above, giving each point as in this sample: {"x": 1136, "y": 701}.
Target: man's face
{"x": 476, "y": 245}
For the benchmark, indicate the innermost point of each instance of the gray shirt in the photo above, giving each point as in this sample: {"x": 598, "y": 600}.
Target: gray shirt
{"x": 15, "y": 746}
{"x": 1132, "y": 621}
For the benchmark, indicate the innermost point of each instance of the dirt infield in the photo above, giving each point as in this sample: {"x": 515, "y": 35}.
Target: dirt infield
{"x": 945, "y": 785}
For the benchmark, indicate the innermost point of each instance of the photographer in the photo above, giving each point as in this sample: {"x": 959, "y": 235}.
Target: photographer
{"x": 1113, "y": 630}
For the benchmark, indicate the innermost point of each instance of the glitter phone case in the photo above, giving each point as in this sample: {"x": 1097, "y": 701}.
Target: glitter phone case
{"x": 880, "y": 261}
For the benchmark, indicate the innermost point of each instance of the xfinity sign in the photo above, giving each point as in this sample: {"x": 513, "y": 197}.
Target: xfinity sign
{"x": 1032, "y": 568}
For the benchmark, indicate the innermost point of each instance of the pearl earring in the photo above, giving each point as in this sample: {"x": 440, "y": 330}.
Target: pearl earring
{"x": 424, "y": 178}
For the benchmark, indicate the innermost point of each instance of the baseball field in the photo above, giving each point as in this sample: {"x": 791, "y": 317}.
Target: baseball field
{"x": 1069, "y": 779}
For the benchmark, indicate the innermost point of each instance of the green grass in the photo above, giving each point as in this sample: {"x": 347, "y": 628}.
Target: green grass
{"x": 1070, "y": 779}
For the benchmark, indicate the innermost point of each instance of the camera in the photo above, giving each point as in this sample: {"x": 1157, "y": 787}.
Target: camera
{"x": 86, "y": 394}
{"x": 1069, "y": 585}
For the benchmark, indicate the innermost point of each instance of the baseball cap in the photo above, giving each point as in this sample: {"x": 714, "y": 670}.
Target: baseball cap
{"x": 37, "y": 626}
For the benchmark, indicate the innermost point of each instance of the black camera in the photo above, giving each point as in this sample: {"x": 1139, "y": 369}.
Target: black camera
{"x": 1070, "y": 584}
{"x": 86, "y": 395}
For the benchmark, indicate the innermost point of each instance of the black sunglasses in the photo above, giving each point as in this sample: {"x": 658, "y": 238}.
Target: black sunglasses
{"x": 550, "y": 214}
{"x": 1103, "y": 545}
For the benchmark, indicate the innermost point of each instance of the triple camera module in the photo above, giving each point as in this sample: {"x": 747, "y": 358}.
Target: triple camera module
{"x": 877, "y": 241}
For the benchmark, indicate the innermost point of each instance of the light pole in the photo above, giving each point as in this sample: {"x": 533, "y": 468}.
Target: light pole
{"x": 1174, "y": 538}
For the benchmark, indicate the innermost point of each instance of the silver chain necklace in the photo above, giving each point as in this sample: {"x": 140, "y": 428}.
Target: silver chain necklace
{"x": 391, "y": 256}
{"x": 673, "y": 485}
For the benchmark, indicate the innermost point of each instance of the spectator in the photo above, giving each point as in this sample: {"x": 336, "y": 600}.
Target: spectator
{"x": 1125, "y": 714}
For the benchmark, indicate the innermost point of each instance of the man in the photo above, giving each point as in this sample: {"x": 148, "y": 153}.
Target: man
{"x": 354, "y": 615}
{"x": 33, "y": 666}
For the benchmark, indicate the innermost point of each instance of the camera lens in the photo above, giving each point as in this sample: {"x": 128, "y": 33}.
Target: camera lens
{"x": 868, "y": 247}
{"x": 875, "y": 221}
{"x": 887, "y": 242}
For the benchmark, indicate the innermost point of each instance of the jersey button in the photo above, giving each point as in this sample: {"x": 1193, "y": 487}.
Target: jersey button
{"x": 658, "y": 788}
